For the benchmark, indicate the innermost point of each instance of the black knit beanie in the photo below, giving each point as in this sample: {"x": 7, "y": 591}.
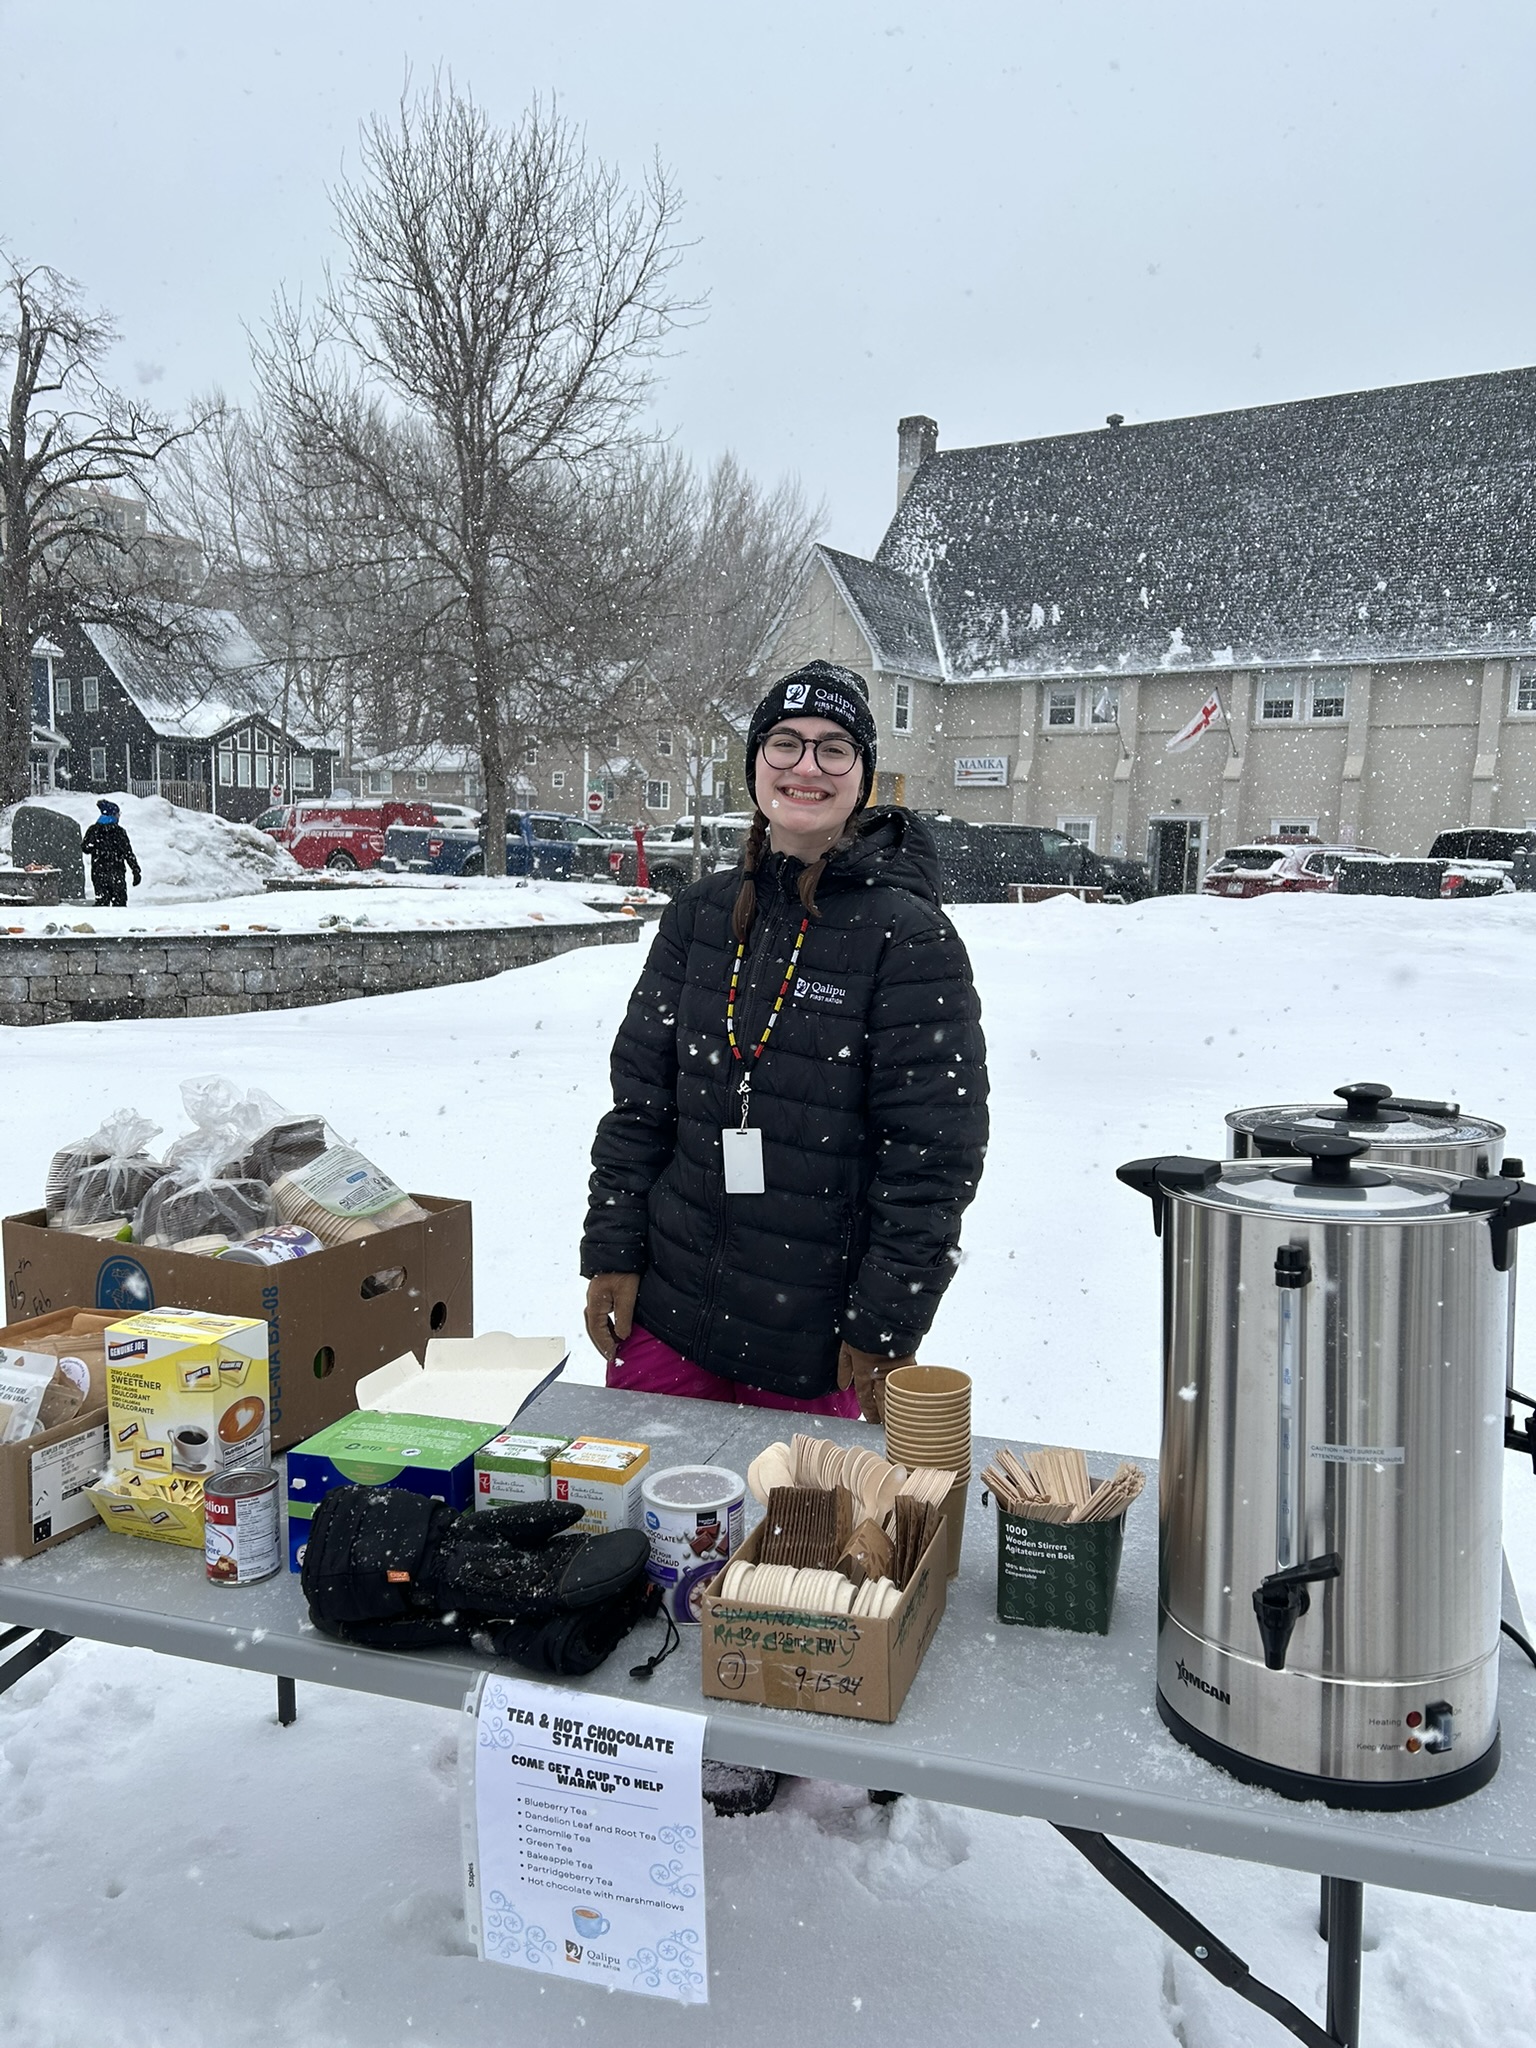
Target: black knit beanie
{"x": 819, "y": 690}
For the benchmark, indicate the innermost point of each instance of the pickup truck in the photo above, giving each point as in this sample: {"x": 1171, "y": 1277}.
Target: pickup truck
{"x": 547, "y": 851}
{"x": 977, "y": 862}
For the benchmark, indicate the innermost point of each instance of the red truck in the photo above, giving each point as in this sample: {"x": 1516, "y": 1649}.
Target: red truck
{"x": 339, "y": 835}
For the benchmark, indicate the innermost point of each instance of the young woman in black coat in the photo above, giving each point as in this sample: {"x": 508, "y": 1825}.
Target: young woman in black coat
{"x": 800, "y": 1094}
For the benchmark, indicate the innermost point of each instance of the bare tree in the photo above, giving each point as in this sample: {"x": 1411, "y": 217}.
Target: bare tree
{"x": 744, "y": 547}
{"x": 66, "y": 438}
{"x": 476, "y": 368}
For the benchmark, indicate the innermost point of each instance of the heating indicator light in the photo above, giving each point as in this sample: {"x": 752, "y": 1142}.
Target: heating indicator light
{"x": 1415, "y": 1718}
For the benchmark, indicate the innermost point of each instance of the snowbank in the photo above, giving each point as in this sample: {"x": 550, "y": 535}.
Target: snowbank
{"x": 186, "y": 856}
{"x": 182, "y": 1868}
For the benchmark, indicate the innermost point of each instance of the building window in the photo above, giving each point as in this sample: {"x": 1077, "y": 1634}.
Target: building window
{"x": 243, "y": 771}
{"x": 380, "y": 782}
{"x": 421, "y": 780}
{"x": 1327, "y": 697}
{"x": 1105, "y": 708}
{"x": 63, "y": 697}
{"x": 1277, "y": 700}
{"x": 658, "y": 796}
{"x": 557, "y": 780}
{"x": 1081, "y": 829}
{"x": 901, "y": 707}
{"x": 98, "y": 764}
{"x": 664, "y": 745}
{"x": 90, "y": 693}
{"x": 1061, "y": 707}
{"x": 226, "y": 766}
{"x": 302, "y": 771}
{"x": 530, "y": 754}
{"x": 1524, "y": 698}
{"x": 719, "y": 747}
{"x": 1293, "y": 828}
{"x": 263, "y": 743}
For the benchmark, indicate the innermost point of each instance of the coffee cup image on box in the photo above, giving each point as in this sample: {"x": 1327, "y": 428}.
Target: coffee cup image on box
{"x": 192, "y": 1449}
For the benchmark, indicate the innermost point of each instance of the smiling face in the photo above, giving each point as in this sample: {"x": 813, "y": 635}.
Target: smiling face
{"x": 806, "y": 806}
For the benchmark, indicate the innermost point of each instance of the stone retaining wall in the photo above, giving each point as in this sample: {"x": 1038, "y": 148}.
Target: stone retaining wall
{"x": 93, "y": 979}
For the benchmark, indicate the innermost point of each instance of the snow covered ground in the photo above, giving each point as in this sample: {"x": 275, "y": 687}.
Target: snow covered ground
{"x": 185, "y": 856}
{"x": 425, "y": 903}
{"x": 181, "y": 1868}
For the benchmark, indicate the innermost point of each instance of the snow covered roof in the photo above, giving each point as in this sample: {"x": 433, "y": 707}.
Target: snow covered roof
{"x": 187, "y": 699}
{"x": 425, "y": 760}
{"x": 1364, "y": 526}
{"x": 893, "y": 609}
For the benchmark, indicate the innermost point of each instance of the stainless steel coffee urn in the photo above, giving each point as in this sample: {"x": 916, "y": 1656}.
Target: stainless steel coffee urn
{"x": 1334, "y": 1337}
{"x": 1399, "y": 1130}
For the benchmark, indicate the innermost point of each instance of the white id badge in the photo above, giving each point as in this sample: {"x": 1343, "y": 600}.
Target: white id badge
{"x": 743, "y": 1152}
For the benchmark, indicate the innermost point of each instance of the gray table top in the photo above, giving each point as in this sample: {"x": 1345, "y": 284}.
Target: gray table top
{"x": 1015, "y": 1720}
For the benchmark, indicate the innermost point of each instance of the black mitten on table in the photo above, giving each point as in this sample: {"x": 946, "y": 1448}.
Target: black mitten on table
{"x": 394, "y": 1570}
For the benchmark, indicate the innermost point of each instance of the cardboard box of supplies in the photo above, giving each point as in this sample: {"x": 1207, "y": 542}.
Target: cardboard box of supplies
{"x": 822, "y": 1664}
{"x": 43, "y": 1478}
{"x": 331, "y": 1318}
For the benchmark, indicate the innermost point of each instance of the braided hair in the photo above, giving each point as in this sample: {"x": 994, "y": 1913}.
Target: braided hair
{"x": 744, "y": 914}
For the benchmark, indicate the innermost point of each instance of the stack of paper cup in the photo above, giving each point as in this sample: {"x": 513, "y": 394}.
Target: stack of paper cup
{"x": 927, "y": 1412}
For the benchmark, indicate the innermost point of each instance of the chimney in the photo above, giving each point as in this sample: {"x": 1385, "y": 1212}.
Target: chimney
{"x": 916, "y": 439}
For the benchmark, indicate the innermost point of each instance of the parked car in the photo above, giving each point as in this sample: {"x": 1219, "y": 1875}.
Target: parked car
{"x": 340, "y": 835}
{"x": 458, "y": 816}
{"x": 1513, "y": 849}
{"x": 1426, "y": 879}
{"x": 1290, "y": 867}
{"x": 978, "y": 862}
{"x": 669, "y": 852}
{"x": 547, "y": 851}
{"x": 601, "y": 849}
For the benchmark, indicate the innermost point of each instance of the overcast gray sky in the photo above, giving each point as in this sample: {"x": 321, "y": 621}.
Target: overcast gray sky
{"x": 1015, "y": 217}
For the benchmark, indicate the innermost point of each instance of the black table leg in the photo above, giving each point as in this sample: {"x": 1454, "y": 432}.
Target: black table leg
{"x": 1345, "y": 1901}
{"x": 287, "y": 1705}
{"x": 44, "y": 1644}
{"x": 1322, "y": 1907}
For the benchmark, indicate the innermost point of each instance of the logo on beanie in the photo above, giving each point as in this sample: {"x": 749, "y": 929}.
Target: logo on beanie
{"x": 795, "y": 695}
{"x": 829, "y": 704}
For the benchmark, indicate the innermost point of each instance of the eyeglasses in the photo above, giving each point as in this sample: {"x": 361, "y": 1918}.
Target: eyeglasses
{"x": 786, "y": 749}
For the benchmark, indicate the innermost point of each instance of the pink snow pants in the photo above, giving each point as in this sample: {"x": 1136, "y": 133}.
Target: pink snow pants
{"x": 644, "y": 1365}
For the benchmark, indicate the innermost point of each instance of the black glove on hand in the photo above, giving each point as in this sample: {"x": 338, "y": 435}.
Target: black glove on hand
{"x": 395, "y": 1570}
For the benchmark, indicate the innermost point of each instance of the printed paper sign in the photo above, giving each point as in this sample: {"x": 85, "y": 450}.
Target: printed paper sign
{"x": 584, "y": 1842}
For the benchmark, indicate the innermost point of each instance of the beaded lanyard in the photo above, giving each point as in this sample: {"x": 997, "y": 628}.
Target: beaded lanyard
{"x": 730, "y": 1012}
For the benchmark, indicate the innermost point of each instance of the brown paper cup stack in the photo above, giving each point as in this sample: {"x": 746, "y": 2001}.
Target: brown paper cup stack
{"x": 928, "y": 1422}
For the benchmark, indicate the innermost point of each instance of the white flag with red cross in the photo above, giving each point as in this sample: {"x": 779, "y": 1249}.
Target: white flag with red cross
{"x": 1202, "y": 722}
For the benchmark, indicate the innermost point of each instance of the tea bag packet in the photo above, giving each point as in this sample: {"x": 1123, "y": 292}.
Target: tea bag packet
{"x": 104, "y": 1176}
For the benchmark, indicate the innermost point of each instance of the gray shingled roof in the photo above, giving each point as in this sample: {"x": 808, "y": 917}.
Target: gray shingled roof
{"x": 894, "y": 610}
{"x": 1359, "y": 527}
{"x": 183, "y": 699}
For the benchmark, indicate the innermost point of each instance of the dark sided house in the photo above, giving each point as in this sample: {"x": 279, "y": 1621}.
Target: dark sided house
{"x": 209, "y": 735}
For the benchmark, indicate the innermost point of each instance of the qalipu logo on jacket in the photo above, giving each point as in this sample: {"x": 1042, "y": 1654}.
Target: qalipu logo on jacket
{"x": 810, "y": 991}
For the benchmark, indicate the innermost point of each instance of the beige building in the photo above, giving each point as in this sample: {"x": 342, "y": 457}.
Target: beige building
{"x": 1353, "y": 578}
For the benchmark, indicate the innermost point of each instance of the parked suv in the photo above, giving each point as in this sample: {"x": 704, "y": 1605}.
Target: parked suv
{"x": 339, "y": 835}
{"x": 1292, "y": 867}
{"x": 547, "y": 850}
{"x": 978, "y": 862}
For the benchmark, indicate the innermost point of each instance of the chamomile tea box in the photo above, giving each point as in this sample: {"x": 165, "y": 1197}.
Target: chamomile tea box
{"x": 187, "y": 1394}
{"x": 603, "y": 1475}
{"x": 515, "y": 1466}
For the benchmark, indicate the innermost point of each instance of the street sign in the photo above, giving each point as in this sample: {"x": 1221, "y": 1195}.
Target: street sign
{"x": 595, "y": 803}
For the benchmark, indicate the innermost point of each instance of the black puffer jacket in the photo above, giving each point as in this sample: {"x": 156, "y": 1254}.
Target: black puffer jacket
{"x": 871, "y": 1098}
